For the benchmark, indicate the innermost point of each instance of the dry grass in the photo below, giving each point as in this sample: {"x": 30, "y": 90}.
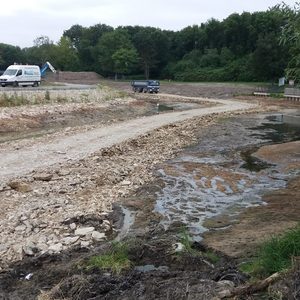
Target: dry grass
{"x": 33, "y": 97}
{"x": 72, "y": 288}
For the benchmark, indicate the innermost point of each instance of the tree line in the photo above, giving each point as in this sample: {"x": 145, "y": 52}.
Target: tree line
{"x": 259, "y": 46}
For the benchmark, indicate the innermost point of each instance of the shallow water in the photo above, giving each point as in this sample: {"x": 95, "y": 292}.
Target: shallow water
{"x": 219, "y": 175}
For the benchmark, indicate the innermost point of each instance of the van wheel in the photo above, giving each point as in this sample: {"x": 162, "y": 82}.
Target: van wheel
{"x": 15, "y": 84}
{"x": 35, "y": 84}
{"x": 3, "y": 85}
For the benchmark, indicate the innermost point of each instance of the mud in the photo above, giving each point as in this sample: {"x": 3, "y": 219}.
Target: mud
{"x": 241, "y": 207}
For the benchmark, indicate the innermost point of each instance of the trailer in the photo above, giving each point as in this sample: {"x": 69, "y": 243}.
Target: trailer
{"x": 146, "y": 86}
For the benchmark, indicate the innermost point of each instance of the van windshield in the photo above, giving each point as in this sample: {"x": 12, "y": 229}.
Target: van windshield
{"x": 10, "y": 72}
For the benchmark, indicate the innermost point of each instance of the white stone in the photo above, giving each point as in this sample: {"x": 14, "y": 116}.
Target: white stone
{"x": 56, "y": 248}
{"x": 72, "y": 226}
{"x": 125, "y": 182}
{"x": 29, "y": 248}
{"x": 70, "y": 240}
{"x": 84, "y": 230}
{"x": 84, "y": 244}
{"x": 21, "y": 228}
{"x": 98, "y": 236}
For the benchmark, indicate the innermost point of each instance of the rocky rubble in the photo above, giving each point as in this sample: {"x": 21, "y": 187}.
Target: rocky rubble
{"x": 52, "y": 210}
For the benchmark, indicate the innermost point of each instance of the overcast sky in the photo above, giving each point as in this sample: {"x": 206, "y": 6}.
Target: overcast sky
{"x": 21, "y": 21}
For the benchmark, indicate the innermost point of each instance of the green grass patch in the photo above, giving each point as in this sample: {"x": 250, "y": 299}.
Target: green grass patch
{"x": 275, "y": 254}
{"x": 116, "y": 260}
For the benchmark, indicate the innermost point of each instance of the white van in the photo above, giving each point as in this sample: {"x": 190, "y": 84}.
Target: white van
{"x": 16, "y": 75}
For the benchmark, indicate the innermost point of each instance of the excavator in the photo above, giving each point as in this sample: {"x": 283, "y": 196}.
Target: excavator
{"x": 45, "y": 67}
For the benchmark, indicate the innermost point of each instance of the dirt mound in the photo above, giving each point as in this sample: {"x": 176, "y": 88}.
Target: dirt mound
{"x": 76, "y": 77}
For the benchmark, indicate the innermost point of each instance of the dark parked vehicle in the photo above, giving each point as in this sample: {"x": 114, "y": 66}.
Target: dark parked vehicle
{"x": 146, "y": 86}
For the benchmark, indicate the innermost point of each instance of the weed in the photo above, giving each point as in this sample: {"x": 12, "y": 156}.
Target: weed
{"x": 211, "y": 256}
{"x": 47, "y": 95}
{"x": 84, "y": 97}
{"x": 12, "y": 100}
{"x": 186, "y": 241}
{"x": 116, "y": 261}
{"x": 61, "y": 99}
{"x": 275, "y": 254}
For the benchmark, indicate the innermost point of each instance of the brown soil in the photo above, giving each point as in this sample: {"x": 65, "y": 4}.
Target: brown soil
{"x": 257, "y": 224}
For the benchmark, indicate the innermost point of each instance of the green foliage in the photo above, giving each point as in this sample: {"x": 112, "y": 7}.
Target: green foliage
{"x": 65, "y": 55}
{"x": 9, "y": 55}
{"x": 116, "y": 260}
{"x": 275, "y": 254}
{"x": 116, "y": 53}
{"x": 124, "y": 60}
{"x": 255, "y": 46}
{"x": 291, "y": 37}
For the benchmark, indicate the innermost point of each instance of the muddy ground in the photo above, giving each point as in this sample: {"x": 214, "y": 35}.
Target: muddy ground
{"x": 157, "y": 271}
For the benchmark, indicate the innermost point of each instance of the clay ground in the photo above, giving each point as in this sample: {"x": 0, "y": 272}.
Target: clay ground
{"x": 64, "y": 165}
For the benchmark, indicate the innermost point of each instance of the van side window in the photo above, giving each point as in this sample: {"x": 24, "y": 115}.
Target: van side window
{"x": 19, "y": 73}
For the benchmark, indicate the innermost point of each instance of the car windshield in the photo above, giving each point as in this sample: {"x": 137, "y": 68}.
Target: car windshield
{"x": 10, "y": 72}
{"x": 154, "y": 82}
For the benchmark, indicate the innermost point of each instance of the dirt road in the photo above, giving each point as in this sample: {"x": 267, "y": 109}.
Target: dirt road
{"x": 22, "y": 161}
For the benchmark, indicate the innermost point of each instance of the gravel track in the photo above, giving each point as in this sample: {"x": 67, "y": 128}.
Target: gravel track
{"x": 22, "y": 161}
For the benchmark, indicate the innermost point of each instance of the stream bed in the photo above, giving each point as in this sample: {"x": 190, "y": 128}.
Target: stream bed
{"x": 220, "y": 174}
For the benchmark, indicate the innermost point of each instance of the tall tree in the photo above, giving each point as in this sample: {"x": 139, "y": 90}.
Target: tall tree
{"x": 66, "y": 58}
{"x": 115, "y": 52}
{"x": 152, "y": 46}
{"x": 10, "y": 54}
{"x": 291, "y": 37}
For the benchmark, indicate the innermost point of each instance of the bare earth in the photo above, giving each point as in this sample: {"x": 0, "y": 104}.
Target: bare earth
{"x": 80, "y": 145}
{"x": 58, "y": 187}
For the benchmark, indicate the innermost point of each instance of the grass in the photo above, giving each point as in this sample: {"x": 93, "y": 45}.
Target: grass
{"x": 12, "y": 100}
{"x": 275, "y": 254}
{"x": 116, "y": 260}
{"x": 185, "y": 240}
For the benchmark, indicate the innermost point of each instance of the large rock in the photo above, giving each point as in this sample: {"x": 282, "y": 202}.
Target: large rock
{"x": 82, "y": 231}
{"x": 43, "y": 177}
{"x": 30, "y": 248}
{"x": 98, "y": 236}
{"x": 70, "y": 240}
{"x": 55, "y": 248}
{"x": 19, "y": 186}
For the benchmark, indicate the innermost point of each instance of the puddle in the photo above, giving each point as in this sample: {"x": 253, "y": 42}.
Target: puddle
{"x": 219, "y": 175}
{"x": 150, "y": 268}
{"x": 252, "y": 163}
{"x": 128, "y": 221}
{"x": 279, "y": 129}
{"x": 164, "y": 107}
